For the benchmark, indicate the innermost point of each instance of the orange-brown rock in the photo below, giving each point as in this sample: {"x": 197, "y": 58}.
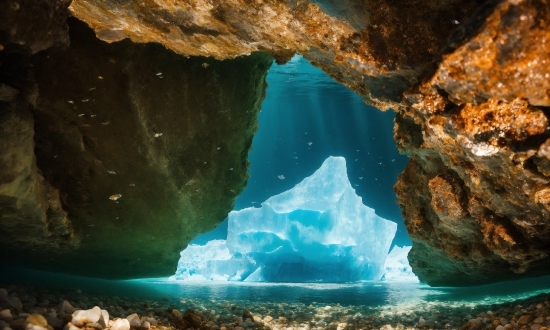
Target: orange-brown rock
{"x": 475, "y": 195}
{"x": 375, "y": 47}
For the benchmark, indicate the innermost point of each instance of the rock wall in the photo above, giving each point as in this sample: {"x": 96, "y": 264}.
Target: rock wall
{"x": 475, "y": 193}
{"x": 126, "y": 153}
{"x": 470, "y": 80}
{"x": 377, "y": 48}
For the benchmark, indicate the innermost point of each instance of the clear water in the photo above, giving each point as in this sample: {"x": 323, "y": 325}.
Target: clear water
{"x": 307, "y": 117}
{"x": 372, "y": 293}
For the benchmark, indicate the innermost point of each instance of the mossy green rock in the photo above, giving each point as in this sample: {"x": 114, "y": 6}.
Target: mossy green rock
{"x": 146, "y": 148}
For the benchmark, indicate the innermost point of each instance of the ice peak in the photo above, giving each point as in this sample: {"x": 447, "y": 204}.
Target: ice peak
{"x": 317, "y": 192}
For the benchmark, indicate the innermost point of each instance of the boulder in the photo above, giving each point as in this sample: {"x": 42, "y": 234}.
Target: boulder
{"x": 127, "y": 153}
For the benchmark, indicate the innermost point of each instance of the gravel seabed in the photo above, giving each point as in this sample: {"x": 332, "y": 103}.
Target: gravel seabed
{"x": 34, "y": 308}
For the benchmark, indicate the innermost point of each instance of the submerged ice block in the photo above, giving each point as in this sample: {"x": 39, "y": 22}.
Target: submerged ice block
{"x": 397, "y": 265}
{"x": 318, "y": 231}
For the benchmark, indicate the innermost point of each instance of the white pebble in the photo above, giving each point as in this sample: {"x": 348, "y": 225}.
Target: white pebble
{"x": 134, "y": 320}
{"x": 104, "y": 319}
{"x": 87, "y": 316}
{"x": 121, "y": 324}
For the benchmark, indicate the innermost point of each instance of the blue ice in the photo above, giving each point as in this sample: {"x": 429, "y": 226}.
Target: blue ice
{"x": 318, "y": 231}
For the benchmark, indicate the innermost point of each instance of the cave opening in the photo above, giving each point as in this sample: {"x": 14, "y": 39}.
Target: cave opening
{"x": 306, "y": 117}
{"x": 115, "y": 155}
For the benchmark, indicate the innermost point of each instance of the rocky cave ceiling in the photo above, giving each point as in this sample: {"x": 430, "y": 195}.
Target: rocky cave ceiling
{"x": 469, "y": 80}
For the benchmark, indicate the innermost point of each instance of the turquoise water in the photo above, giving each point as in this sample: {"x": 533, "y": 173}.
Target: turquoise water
{"x": 372, "y": 294}
{"x": 307, "y": 117}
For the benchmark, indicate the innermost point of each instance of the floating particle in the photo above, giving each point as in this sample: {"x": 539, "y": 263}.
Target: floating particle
{"x": 360, "y": 178}
{"x": 85, "y": 100}
{"x": 99, "y": 77}
{"x": 115, "y": 197}
{"x": 93, "y": 116}
{"x": 205, "y": 65}
{"x": 455, "y": 22}
{"x": 111, "y": 172}
{"x": 393, "y": 160}
{"x": 158, "y": 135}
{"x": 91, "y": 89}
{"x": 159, "y": 74}
{"x": 282, "y": 177}
{"x": 71, "y": 102}
{"x": 231, "y": 169}
{"x": 309, "y": 143}
{"x": 132, "y": 184}
{"x": 80, "y": 115}
{"x": 218, "y": 148}
{"x": 105, "y": 123}
{"x": 295, "y": 157}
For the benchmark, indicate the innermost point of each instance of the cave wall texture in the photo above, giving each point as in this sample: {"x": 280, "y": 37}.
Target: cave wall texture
{"x": 469, "y": 79}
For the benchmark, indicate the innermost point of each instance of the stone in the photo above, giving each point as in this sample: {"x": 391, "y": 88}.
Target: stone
{"x": 65, "y": 307}
{"x": 94, "y": 326}
{"x": 32, "y": 26}
{"x": 471, "y": 137}
{"x": 87, "y": 316}
{"x": 524, "y": 319}
{"x": 121, "y": 324}
{"x": 134, "y": 320}
{"x": 15, "y": 302}
{"x": 104, "y": 318}
{"x": 37, "y": 319}
{"x": 113, "y": 233}
{"x": 421, "y": 322}
{"x": 539, "y": 320}
{"x": 151, "y": 320}
{"x": 70, "y": 326}
{"x": 5, "y": 314}
{"x": 193, "y": 318}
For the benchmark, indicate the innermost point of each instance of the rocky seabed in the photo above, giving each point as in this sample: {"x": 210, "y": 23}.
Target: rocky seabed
{"x": 31, "y": 308}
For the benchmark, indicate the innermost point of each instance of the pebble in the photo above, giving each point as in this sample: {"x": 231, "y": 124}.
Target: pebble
{"x": 37, "y": 319}
{"x": 87, "y": 316}
{"x": 121, "y": 324}
{"x": 524, "y": 319}
{"x": 163, "y": 314}
{"x": 5, "y": 314}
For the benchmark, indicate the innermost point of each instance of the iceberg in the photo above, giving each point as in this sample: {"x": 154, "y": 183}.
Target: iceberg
{"x": 397, "y": 265}
{"x": 206, "y": 262}
{"x": 318, "y": 231}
